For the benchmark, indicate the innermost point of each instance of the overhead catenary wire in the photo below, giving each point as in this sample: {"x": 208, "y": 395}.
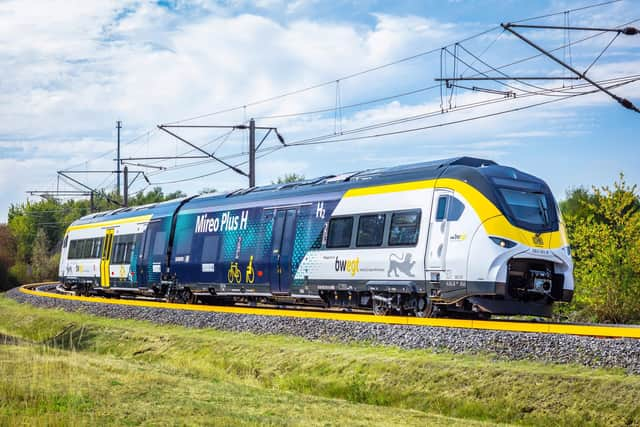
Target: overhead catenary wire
{"x": 353, "y": 75}
{"x": 244, "y": 107}
{"x": 469, "y": 119}
{"x": 266, "y": 152}
{"x": 439, "y": 113}
{"x": 376, "y": 68}
{"x": 427, "y": 88}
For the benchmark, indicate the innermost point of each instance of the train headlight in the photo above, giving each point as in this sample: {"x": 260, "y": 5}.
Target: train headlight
{"x": 503, "y": 243}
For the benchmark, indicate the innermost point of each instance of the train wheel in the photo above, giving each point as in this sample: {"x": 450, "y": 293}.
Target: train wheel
{"x": 380, "y": 305}
{"x": 424, "y": 307}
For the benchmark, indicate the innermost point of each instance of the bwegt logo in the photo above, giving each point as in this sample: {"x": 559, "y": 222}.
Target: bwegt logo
{"x": 349, "y": 265}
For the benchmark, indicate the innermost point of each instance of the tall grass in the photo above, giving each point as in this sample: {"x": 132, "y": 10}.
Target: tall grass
{"x": 95, "y": 370}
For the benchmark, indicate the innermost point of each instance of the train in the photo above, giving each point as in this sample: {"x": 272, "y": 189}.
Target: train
{"x": 460, "y": 236}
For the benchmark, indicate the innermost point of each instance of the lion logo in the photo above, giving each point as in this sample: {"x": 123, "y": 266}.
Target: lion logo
{"x": 537, "y": 240}
{"x": 404, "y": 264}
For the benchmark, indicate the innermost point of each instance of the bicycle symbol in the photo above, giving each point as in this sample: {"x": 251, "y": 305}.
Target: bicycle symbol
{"x": 234, "y": 273}
{"x": 251, "y": 274}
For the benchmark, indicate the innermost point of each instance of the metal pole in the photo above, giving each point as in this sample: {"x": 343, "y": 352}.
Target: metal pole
{"x": 623, "y": 101}
{"x": 126, "y": 186}
{"x": 91, "y": 202}
{"x": 118, "y": 126}
{"x": 252, "y": 153}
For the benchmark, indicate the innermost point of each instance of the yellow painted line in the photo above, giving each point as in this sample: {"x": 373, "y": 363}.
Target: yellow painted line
{"x": 494, "y": 325}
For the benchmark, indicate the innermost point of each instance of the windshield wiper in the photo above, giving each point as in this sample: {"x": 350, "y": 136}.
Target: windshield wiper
{"x": 543, "y": 211}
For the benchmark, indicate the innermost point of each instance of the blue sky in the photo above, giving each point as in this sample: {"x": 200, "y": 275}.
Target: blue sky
{"x": 71, "y": 69}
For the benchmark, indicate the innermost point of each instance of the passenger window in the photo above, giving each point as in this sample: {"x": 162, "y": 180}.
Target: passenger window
{"x": 370, "y": 230}
{"x": 210, "y": 248}
{"x": 86, "y": 249}
{"x": 340, "y": 232}
{"x": 183, "y": 246}
{"x": 72, "y": 249}
{"x": 442, "y": 208}
{"x": 122, "y": 248}
{"x": 158, "y": 243}
{"x": 405, "y": 227}
{"x": 455, "y": 209}
{"x": 97, "y": 247}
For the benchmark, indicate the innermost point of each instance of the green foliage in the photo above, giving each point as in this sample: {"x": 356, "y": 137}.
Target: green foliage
{"x": 288, "y": 177}
{"x": 574, "y": 204}
{"x": 35, "y": 230}
{"x": 7, "y": 258}
{"x": 45, "y": 265}
{"x": 604, "y": 231}
{"x": 21, "y": 272}
{"x": 7, "y": 279}
{"x": 126, "y": 372}
{"x": 208, "y": 190}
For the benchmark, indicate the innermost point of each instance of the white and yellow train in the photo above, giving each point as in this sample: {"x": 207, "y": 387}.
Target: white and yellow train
{"x": 461, "y": 235}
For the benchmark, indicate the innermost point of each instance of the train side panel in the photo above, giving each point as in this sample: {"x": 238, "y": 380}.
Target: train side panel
{"x": 247, "y": 250}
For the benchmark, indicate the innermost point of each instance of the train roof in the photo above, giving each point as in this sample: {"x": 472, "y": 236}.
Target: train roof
{"x": 475, "y": 171}
{"x": 156, "y": 209}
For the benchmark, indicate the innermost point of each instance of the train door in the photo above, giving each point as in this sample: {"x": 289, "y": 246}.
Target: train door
{"x": 284, "y": 233}
{"x": 105, "y": 260}
{"x": 438, "y": 230}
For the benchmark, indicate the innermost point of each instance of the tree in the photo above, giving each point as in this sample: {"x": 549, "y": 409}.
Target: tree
{"x": 207, "y": 190}
{"x": 40, "y": 258}
{"x": 288, "y": 177}
{"x": 7, "y": 258}
{"x": 37, "y": 228}
{"x": 604, "y": 231}
{"x": 576, "y": 199}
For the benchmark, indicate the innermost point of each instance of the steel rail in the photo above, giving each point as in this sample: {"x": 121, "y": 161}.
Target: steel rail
{"x": 597, "y": 330}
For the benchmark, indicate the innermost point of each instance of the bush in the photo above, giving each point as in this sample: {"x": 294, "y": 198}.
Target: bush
{"x": 604, "y": 231}
{"x": 7, "y": 280}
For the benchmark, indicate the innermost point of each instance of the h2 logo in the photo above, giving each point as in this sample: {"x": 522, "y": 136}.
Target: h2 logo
{"x": 320, "y": 210}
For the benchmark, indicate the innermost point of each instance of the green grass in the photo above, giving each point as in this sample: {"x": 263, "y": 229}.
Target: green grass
{"x": 63, "y": 368}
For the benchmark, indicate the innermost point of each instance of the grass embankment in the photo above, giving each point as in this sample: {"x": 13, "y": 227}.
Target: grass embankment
{"x": 63, "y": 368}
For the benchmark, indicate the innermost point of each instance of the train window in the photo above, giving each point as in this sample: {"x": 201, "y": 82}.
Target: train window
{"x": 97, "y": 247}
{"x": 455, "y": 209}
{"x": 85, "y": 249}
{"x": 370, "y": 230}
{"x": 72, "y": 249}
{"x": 405, "y": 227}
{"x": 210, "y": 248}
{"x": 527, "y": 206}
{"x": 158, "y": 243}
{"x": 340, "y": 232}
{"x": 122, "y": 248}
{"x": 183, "y": 245}
{"x": 441, "y": 211}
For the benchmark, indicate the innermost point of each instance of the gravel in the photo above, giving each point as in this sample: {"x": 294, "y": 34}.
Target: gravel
{"x": 588, "y": 351}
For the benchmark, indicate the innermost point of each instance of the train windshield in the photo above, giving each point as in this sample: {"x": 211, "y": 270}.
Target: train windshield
{"x": 527, "y": 206}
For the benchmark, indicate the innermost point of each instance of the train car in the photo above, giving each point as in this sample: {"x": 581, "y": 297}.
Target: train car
{"x": 460, "y": 235}
{"x": 104, "y": 251}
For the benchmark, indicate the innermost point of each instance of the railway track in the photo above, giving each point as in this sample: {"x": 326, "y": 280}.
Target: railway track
{"x": 51, "y": 290}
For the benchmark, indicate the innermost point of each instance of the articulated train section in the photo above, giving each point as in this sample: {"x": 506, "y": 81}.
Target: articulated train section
{"x": 455, "y": 237}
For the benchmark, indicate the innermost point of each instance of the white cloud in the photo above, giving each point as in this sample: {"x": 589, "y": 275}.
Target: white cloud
{"x": 71, "y": 69}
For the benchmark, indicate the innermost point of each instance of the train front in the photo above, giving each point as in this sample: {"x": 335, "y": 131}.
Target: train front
{"x": 522, "y": 246}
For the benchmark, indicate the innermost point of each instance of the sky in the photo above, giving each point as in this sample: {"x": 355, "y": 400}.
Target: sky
{"x": 71, "y": 69}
